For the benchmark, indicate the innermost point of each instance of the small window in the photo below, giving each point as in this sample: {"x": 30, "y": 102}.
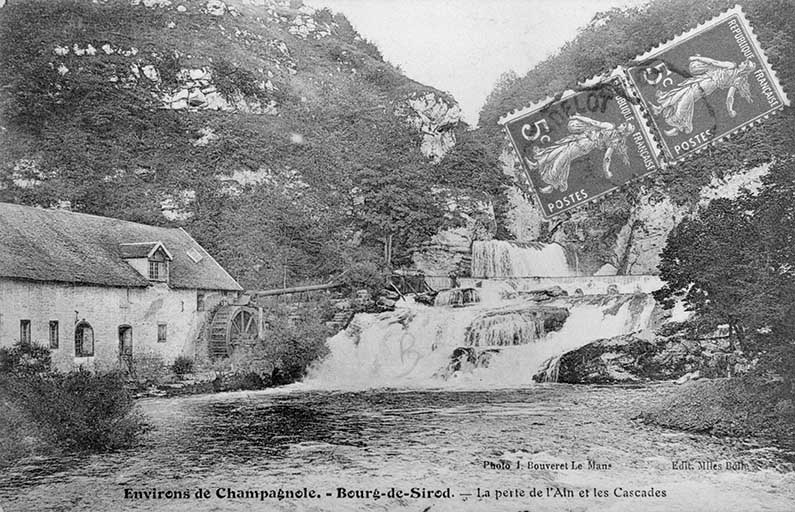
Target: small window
{"x": 158, "y": 271}
{"x": 24, "y": 332}
{"x": 54, "y": 335}
{"x": 162, "y": 330}
{"x": 84, "y": 340}
{"x": 199, "y": 301}
{"x": 194, "y": 255}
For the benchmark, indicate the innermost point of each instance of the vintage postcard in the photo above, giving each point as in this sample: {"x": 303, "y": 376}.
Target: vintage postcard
{"x": 582, "y": 146}
{"x": 335, "y": 255}
{"x": 706, "y": 84}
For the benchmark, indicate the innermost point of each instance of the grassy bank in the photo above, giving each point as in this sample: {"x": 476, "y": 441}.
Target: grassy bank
{"x": 737, "y": 407}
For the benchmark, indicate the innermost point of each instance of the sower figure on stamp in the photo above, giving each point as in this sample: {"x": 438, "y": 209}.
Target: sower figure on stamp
{"x": 554, "y": 161}
{"x": 676, "y": 106}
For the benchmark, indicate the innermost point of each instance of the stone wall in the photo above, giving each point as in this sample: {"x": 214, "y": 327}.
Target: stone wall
{"x": 105, "y": 309}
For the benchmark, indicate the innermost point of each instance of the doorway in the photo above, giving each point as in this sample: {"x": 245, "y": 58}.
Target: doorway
{"x": 126, "y": 348}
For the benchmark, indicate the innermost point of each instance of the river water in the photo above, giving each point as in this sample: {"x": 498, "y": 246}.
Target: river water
{"x": 323, "y": 441}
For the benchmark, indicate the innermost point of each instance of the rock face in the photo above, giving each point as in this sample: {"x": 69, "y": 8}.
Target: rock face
{"x": 448, "y": 251}
{"x": 197, "y": 91}
{"x": 435, "y": 118}
{"x": 630, "y": 358}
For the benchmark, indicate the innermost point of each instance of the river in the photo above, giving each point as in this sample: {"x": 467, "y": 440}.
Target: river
{"x": 322, "y": 441}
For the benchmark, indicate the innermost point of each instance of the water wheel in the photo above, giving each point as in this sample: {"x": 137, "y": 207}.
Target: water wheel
{"x": 231, "y": 326}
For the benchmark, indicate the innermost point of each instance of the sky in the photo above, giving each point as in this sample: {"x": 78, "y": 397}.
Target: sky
{"x": 463, "y": 46}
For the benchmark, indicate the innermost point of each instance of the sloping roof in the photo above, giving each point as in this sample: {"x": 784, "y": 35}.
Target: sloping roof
{"x": 143, "y": 250}
{"x": 55, "y": 245}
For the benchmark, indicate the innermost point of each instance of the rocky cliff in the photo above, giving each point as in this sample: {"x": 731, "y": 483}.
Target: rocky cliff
{"x": 207, "y": 114}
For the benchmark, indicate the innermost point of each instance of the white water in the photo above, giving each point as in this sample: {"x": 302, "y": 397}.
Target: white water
{"x": 498, "y": 258}
{"x": 412, "y": 347}
{"x": 456, "y": 296}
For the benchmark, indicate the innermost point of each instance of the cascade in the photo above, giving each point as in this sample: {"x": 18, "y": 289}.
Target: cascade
{"x": 514, "y": 326}
{"x": 498, "y": 258}
{"x": 483, "y": 346}
{"x": 457, "y": 297}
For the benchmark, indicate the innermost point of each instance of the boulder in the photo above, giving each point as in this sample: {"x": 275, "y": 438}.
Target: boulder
{"x": 216, "y": 8}
{"x": 629, "y": 358}
{"x": 464, "y": 359}
{"x": 612, "y": 360}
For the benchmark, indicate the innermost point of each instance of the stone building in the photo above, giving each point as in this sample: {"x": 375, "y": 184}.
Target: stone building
{"x": 102, "y": 292}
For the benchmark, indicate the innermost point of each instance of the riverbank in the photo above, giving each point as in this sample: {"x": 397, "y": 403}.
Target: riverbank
{"x": 736, "y": 407}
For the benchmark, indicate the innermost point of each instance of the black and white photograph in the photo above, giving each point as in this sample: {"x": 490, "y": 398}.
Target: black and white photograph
{"x": 397, "y": 255}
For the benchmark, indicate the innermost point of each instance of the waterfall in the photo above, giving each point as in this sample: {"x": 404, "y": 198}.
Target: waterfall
{"x": 513, "y": 327}
{"x": 482, "y": 346}
{"x": 457, "y": 297}
{"x": 497, "y": 258}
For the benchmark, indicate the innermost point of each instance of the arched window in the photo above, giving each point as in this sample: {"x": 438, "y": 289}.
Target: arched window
{"x": 84, "y": 340}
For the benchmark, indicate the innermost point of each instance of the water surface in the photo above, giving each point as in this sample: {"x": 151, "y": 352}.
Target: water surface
{"x": 363, "y": 441}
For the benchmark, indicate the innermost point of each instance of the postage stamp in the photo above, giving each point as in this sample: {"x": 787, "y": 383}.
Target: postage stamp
{"x": 706, "y": 83}
{"x": 582, "y": 146}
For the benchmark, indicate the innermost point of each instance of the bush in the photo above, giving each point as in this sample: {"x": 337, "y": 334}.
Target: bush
{"x": 182, "y": 365}
{"x": 294, "y": 345}
{"x": 365, "y": 274}
{"x": 77, "y": 410}
{"x": 25, "y": 358}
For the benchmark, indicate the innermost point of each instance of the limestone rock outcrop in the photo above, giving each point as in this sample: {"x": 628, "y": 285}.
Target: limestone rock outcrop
{"x": 632, "y": 358}
{"x": 436, "y": 119}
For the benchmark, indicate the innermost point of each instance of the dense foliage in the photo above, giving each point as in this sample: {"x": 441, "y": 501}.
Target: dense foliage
{"x": 24, "y": 359}
{"x": 270, "y": 195}
{"x": 78, "y": 410}
{"x": 735, "y": 264}
{"x": 294, "y": 338}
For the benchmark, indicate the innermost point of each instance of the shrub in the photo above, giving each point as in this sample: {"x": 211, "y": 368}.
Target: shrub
{"x": 24, "y": 358}
{"x": 77, "y": 410}
{"x": 182, "y": 365}
{"x": 294, "y": 345}
{"x": 365, "y": 274}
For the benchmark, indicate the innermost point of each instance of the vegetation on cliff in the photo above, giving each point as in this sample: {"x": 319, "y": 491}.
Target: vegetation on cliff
{"x": 271, "y": 132}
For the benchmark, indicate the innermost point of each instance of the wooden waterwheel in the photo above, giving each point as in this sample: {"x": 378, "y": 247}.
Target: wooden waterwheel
{"x": 230, "y": 327}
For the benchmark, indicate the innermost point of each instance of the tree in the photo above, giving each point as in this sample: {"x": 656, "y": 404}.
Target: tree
{"x": 398, "y": 206}
{"x": 472, "y": 167}
{"x": 735, "y": 262}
